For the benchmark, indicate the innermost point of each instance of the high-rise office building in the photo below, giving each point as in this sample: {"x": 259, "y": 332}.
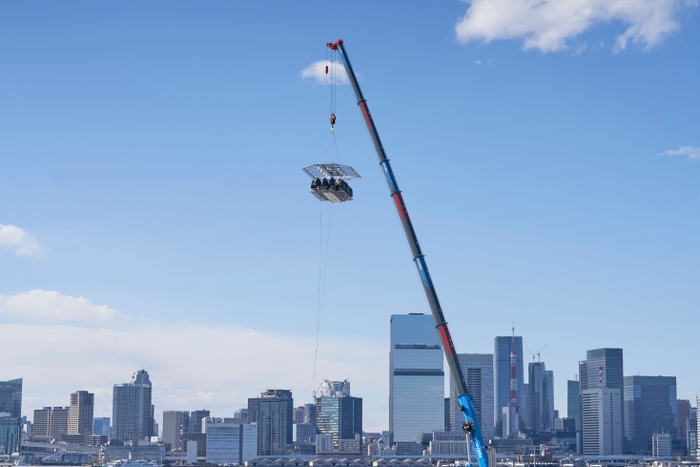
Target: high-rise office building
{"x": 502, "y": 369}
{"x": 694, "y": 434}
{"x": 601, "y": 422}
{"x": 683, "y": 406}
{"x": 272, "y": 412}
{"x": 11, "y": 397}
{"x": 132, "y": 412}
{"x": 10, "y": 433}
{"x": 416, "y": 378}
{"x": 541, "y": 397}
{"x": 80, "y": 413}
{"x": 51, "y": 422}
{"x": 231, "y": 443}
{"x": 172, "y": 428}
{"x": 478, "y": 370}
{"x": 649, "y": 407}
{"x": 337, "y": 412}
{"x": 195, "y": 422}
{"x": 310, "y": 414}
{"x": 573, "y": 402}
{"x": 101, "y": 426}
{"x": 11, "y": 418}
{"x": 603, "y": 369}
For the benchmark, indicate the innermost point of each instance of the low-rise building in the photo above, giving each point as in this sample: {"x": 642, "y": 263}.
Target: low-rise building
{"x": 231, "y": 443}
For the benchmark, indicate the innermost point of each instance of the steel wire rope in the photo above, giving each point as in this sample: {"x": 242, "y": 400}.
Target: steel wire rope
{"x": 332, "y": 148}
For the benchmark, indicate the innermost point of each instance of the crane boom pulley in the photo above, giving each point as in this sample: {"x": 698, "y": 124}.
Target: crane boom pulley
{"x": 466, "y": 403}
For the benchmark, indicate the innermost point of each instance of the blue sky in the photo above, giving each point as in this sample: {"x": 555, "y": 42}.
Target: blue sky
{"x": 151, "y": 157}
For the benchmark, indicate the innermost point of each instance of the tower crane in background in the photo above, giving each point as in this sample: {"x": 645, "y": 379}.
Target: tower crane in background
{"x": 466, "y": 403}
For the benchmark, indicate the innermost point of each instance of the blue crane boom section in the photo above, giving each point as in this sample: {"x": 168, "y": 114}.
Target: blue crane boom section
{"x": 466, "y": 403}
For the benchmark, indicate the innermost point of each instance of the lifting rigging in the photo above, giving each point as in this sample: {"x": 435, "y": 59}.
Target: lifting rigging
{"x": 329, "y": 180}
{"x": 466, "y": 403}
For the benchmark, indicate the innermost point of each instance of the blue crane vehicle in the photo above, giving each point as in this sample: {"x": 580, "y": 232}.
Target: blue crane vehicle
{"x": 466, "y": 403}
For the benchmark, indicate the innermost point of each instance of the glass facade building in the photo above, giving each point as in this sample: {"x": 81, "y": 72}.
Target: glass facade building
{"x": 416, "y": 378}
{"x": 10, "y": 415}
{"x": 341, "y": 417}
{"x": 132, "y": 412}
{"x": 650, "y": 406}
{"x": 541, "y": 397}
{"x": 478, "y": 370}
{"x": 573, "y": 401}
{"x": 501, "y": 377}
{"x": 272, "y": 412}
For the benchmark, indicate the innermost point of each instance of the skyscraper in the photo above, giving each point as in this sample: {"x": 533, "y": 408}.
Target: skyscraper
{"x": 101, "y": 426}
{"x": 503, "y": 345}
{"x": 416, "y": 377}
{"x": 132, "y": 413}
{"x": 195, "y": 421}
{"x": 11, "y": 397}
{"x": 649, "y": 407}
{"x": 601, "y": 422}
{"x": 573, "y": 402}
{"x": 80, "y": 413}
{"x": 603, "y": 369}
{"x": 478, "y": 370}
{"x": 272, "y": 412}
{"x": 11, "y": 420}
{"x": 337, "y": 412}
{"x": 541, "y": 386}
{"x": 172, "y": 428}
{"x": 51, "y": 422}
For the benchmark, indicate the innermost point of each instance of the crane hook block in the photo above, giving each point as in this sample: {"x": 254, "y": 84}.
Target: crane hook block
{"x": 332, "y": 119}
{"x": 326, "y": 69}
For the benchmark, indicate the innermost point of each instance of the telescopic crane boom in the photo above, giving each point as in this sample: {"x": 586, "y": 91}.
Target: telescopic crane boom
{"x": 471, "y": 423}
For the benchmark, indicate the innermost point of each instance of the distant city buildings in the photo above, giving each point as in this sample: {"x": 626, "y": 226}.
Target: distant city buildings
{"x": 506, "y": 415}
{"x": 172, "y": 428}
{"x": 573, "y": 402}
{"x": 231, "y": 443}
{"x": 478, "y": 370}
{"x": 195, "y": 420}
{"x": 650, "y": 406}
{"x": 51, "y": 422}
{"x": 132, "y": 412}
{"x": 10, "y": 415}
{"x": 416, "y": 378}
{"x": 541, "y": 397}
{"x": 337, "y": 412}
{"x": 101, "y": 426}
{"x": 602, "y": 428}
{"x": 272, "y": 412}
{"x": 81, "y": 413}
{"x": 601, "y": 422}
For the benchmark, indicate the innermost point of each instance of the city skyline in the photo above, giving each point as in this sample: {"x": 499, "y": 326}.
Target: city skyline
{"x": 132, "y": 214}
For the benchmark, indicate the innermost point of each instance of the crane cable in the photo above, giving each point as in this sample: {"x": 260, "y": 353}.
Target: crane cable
{"x": 332, "y": 150}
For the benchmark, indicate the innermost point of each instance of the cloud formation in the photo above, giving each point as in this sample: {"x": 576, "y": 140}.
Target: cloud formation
{"x": 17, "y": 240}
{"x": 692, "y": 153}
{"x": 548, "y": 25}
{"x": 51, "y": 305}
{"x": 317, "y": 72}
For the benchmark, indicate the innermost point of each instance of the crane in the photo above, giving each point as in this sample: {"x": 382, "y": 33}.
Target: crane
{"x": 466, "y": 403}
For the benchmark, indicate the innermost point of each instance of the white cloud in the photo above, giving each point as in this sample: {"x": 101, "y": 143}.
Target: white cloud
{"x": 692, "y": 153}
{"x": 54, "y": 306}
{"x": 548, "y": 25}
{"x": 17, "y": 240}
{"x": 317, "y": 72}
{"x": 192, "y": 365}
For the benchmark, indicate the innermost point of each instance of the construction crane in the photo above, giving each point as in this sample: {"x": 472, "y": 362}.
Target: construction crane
{"x": 466, "y": 403}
